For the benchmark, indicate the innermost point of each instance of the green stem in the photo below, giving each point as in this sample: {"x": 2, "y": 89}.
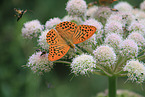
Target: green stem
{"x": 141, "y": 57}
{"x": 103, "y": 70}
{"x": 80, "y": 51}
{"x": 99, "y": 73}
{"x": 141, "y": 52}
{"x": 112, "y": 86}
{"x": 62, "y": 62}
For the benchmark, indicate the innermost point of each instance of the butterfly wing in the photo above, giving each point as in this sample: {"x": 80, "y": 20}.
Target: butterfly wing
{"x": 66, "y": 29}
{"x": 57, "y": 51}
{"x": 82, "y": 33}
{"x": 58, "y": 47}
{"x": 53, "y": 37}
{"x": 105, "y": 2}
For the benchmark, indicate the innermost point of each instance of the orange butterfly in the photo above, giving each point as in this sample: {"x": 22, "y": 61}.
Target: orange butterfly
{"x": 65, "y": 36}
{"x": 105, "y": 2}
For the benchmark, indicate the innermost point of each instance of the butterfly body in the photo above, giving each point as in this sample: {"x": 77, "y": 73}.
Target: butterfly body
{"x": 65, "y": 36}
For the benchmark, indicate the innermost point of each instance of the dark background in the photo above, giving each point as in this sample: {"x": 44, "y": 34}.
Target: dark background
{"x": 17, "y": 81}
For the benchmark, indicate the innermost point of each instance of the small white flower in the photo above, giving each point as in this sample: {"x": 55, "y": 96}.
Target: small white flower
{"x": 76, "y": 19}
{"x": 142, "y": 22}
{"x": 42, "y": 40}
{"x": 39, "y": 63}
{"x": 114, "y": 27}
{"x": 138, "y": 38}
{"x": 76, "y": 7}
{"x": 97, "y": 24}
{"x": 83, "y": 64}
{"x": 52, "y": 23}
{"x": 142, "y": 5}
{"x": 123, "y": 6}
{"x": 136, "y": 26}
{"x": 113, "y": 40}
{"x": 127, "y": 18}
{"x": 91, "y": 11}
{"x": 136, "y": 70}
{"x": 31, "y": 29}
{"x": 102, "y": 14}
{"x": 115, "y": 17}
{"x": 105, "y": 55}
{"x": 139, "y": 14}
{"x": 129, "y": 48}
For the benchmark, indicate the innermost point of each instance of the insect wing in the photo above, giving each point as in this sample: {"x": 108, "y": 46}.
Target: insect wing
{"x": 57, "y": 51}
{"x": 66, "y": 29}
{"x": 53, "y": 38}
{"x": 82, "y": 33}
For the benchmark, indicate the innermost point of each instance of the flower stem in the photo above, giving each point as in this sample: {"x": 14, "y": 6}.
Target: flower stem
{"x": 62, "y": 62}
{"x": 112, "y": 86}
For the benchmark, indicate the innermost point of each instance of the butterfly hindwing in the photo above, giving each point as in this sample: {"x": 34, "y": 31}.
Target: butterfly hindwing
{"x": 57, "y": 51}
{"x": 53, "y": 37}
{"x": 66, "y": 29}
{"x": 82, "y": 33}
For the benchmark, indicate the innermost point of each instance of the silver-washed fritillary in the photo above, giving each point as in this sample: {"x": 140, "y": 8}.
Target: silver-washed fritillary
{"x": 65, "y": 36}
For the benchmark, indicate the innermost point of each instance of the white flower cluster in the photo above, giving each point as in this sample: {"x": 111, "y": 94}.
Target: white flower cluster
{"x": 136, "y": 71}
{"x": 123, "y": 6}
{"x": 114, "y": 27}
{"x": 91, "y": 11}
{"x": 38, "y": 62}
{"x": 75, "y": 19}
{"x": 31, "y": 29}
{"x": 136, "y": 26}
{"x": 42, "y": 40}
{"x": 142, "y": 5}
{"x": 76, "y": 7}
{"x": 114, "y": 40}
{"x": 83, "y": 64}
{"x": 105, "y": 55}
{"x": 138, "y": 38}
{"x": 129, "y": 48}
{"x": 52, "y": 23}
{"x": 102, "y": 14}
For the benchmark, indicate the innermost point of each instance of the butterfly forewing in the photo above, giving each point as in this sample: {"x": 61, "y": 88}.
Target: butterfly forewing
{"x": 53, "y": 37}
{"x": 82, "y": 33}
{"x": 57, "y": 51}
{"x": 66, "y": 29}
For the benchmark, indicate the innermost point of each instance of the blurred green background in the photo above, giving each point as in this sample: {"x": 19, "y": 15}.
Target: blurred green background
{"x": 17, "y": 81}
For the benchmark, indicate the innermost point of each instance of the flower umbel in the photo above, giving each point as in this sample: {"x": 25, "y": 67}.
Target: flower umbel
{"x": 76, "y": 7}
{"x": 136, "y": 71}
{"x": 38, "y": 62}
{"x": 31, "y": 29}
{"x": 105, "y": 55}
{"x": 129, "y": 48}
{"x": 42, "y": 40}
{"x": 52, "y": 23}
{"x": 83, "y": 64}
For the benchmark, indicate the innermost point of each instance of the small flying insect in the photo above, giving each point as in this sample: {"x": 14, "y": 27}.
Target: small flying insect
{"x": 43, "y": 52}
{"x": 115, "y": 10}
{"x": 19, "y": 13}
